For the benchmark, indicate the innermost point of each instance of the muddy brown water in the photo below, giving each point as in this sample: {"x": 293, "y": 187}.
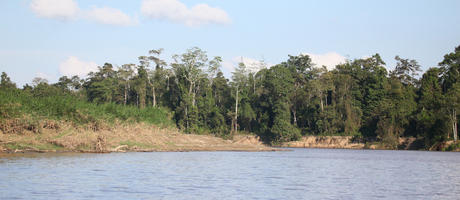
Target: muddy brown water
{"x": 297, "y": 174}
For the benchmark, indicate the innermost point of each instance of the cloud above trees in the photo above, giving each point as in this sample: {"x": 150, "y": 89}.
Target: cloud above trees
{"x": 55, "y": 9}
{"x": 162, "y": 10}
{"x": 111, "y": 16}
{"x": 74, "y": 66}
{"x": 330, "y": 60}
{"x": 67, "y": 10}
{"x": 178, "y": 12}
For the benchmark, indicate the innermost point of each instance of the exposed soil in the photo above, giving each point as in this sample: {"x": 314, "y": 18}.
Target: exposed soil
{"x": 330, "y": 142}
{"x": 122, "y": 138}
{"x": 66, "y": 137}
{"x": 347, "y": 142}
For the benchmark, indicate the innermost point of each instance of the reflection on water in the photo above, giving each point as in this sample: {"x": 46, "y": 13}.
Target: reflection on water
{"x": 298, "y": 174}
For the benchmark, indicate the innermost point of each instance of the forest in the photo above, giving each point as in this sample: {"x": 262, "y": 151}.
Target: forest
{"x": 280, "y": 103}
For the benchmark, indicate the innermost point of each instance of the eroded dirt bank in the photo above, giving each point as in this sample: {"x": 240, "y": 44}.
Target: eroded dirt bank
{"x": 347, "y": 142}
{"x": 332, "y": 142}
{"x": 123, "y": 138}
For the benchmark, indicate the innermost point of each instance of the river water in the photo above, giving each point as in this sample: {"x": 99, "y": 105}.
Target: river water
{"x": 296, "y": 174}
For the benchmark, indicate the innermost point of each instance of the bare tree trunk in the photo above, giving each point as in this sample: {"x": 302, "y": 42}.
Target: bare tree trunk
{"x": 167, "y": 86}
{"x": 191, "y": 92}
{"x": 321, "y": 101}
{"x": 154, "y": 98}
{"x": 197, "y": 89}
{"x": 186, "y": 117}
{"x": 295, "y": 116}
{"x": 454, "y": 124}
{"x": 236, "y": 111}
{"x": 126, "y": 94}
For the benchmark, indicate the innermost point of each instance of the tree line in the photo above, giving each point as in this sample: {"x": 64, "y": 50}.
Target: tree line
{"x": 281, "y": 103}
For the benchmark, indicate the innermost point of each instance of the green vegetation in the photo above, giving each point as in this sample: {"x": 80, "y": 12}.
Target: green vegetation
{"x": 136, "y": 144}
{"x": 359, "y": 98}
{"x": 25, "y": 146}
{"x": 452, "y": 147}
{"x": 29, "y": 108}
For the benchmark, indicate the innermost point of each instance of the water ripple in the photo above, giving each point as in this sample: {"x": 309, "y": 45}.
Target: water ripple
{"x": 297, "y": 174}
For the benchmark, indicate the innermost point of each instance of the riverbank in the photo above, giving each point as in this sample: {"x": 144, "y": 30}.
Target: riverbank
{"x": 347, "y": 142}
{"x": 137, "y": 137}
{"x": 329, "y": 142}
{"x": 141, "y": 137}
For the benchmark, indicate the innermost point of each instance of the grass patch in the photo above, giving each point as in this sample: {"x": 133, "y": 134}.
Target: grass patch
{"x": 18, "y": 104}
{"x": 27, "y": 146}
{"x": 137, "y": 144}
{"x": 171, "y": 144}
{"x": 63, "y": 133}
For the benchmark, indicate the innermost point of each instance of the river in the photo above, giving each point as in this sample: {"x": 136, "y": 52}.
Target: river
{"x": 296, "y": 174}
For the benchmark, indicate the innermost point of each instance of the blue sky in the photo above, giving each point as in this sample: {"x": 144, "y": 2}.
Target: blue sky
{"x": 51, "y": 38}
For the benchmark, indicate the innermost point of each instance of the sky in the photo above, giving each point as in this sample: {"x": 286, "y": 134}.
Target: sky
{"x": 53, "y": 38}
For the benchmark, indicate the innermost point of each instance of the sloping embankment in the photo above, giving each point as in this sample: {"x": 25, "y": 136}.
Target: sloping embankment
{"x": 330, "y": 142}
{"x": 121, "y": 138}
{"x": 347, "y": 142}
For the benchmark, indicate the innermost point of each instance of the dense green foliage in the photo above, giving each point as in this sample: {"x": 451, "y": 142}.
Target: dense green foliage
{"x": 49, "y": 102}
{"x": 358, "y": 98}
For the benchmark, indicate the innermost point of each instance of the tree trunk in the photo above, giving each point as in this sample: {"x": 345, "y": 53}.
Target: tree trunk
{"x": 167, "y": 86}
{"x": 321, "y": 101}
{"x": 295, "y": 116}
{"x": 186, "y": 117}
{"x": 191, "y": 92}
{"x": 236, "y": 111}
{"x": 126, "y": 94}
{"x": 254, "y": 85}
{"x": 233, "y": 126}
{"x": 154, "y": 98}
{"x": 197, "y": 89}
{"x": 142, "y": 100}
{"x": 454, "y": 124}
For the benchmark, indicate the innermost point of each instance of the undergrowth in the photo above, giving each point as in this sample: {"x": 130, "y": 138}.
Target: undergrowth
{"x": 22, "y": 109}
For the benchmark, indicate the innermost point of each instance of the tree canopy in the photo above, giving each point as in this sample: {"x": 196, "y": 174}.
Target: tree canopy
{"x": 358, "y": 98}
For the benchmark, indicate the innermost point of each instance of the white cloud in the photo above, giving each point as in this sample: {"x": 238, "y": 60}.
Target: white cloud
{"x": 330, "y": 60}
{"x": 55, "y": 9}
{"x": 74, "y": 66}
{"x": 111, "y": 16}
{"x": 66, "y": 10}
{"x": 252, "y": 65}
{"x": 176, "y": 11}
{"x": 42, "y": 75}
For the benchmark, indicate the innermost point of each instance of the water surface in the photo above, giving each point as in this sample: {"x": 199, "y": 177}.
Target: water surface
{"x": 297, "y": 174}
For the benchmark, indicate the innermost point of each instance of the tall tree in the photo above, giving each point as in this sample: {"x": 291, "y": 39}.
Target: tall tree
{"x": 101, "y": 85}
{"x": 279, "y": 84}
{"x": 299, "y": 66}
{"x": 450, "y": 67}
{"x": 239, "y": 80}
{"x": 141, "y": 85}
{"x": 406, "y": 71}
{"x": 155, "y": 75}
{"x": 188, "y": 69}
{"x": 5, "y": 81}
{"x": 431, "y": 122}
{"x": 126, "y": 73}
